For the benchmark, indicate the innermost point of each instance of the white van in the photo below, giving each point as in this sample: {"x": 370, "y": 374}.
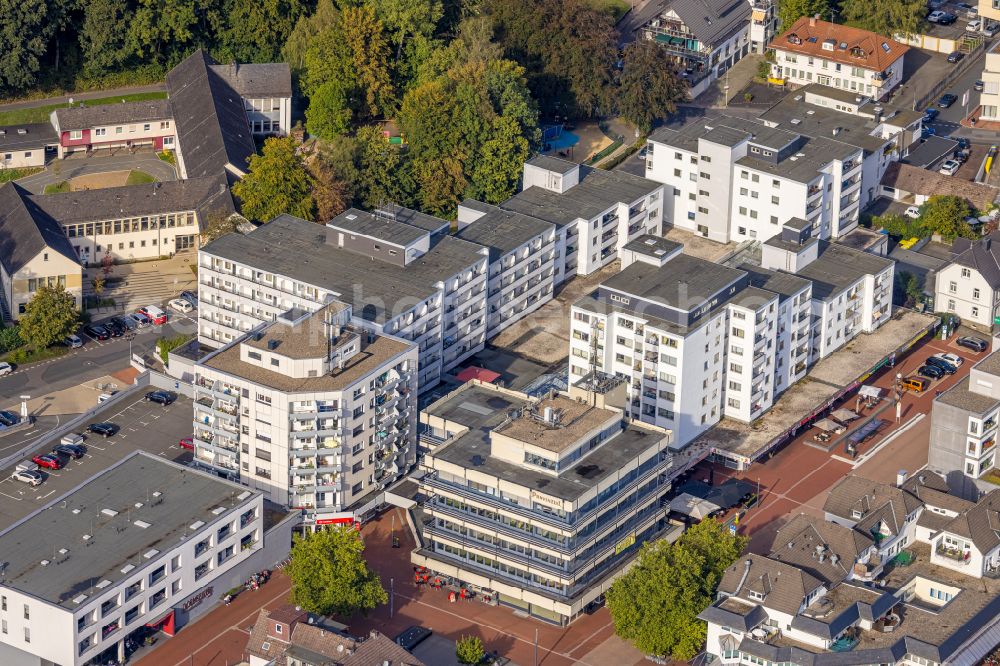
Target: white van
{"x": 27, "y": 466}
{"x": 72, "y": 438}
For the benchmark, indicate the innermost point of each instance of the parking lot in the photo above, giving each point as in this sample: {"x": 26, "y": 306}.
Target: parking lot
{"x": 143, "y": 426}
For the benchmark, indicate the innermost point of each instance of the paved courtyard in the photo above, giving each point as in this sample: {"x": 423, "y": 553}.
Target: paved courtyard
{"x": 79, "y": 165}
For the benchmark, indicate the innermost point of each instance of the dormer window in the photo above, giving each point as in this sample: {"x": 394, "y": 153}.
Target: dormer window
{"x": 857, "y": 513}
{"x": 754, "y": 594}
{"x": 277, "y": 628}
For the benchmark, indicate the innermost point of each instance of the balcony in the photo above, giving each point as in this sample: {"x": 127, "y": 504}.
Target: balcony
{"x": 959, "y": 555}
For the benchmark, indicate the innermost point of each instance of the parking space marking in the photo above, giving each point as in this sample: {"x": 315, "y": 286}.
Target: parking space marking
{"x": 41, "y": 497}
{"x": 16, "y": 499}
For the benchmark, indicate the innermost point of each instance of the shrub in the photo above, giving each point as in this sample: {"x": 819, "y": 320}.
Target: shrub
{"x": 167, "y": 345}
{"x": 10, "y": 339}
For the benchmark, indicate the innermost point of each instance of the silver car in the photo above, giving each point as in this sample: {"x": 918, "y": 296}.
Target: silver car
{"x": 28, "y": 476}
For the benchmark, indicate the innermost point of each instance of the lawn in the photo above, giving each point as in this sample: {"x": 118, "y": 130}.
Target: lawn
{"x": 7, "y": 175}
{"x": 40, "y": 114}
{"x": 57, "y": 188}
{"x": 136, "y": 177}
{"x": 616, "y": 8}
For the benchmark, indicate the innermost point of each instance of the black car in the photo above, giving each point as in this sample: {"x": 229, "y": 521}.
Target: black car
{"x": 161, "y": 397}
{"x": 9, "y": 418}
{"x": 975, "y": 344}
{"x": 930, "y": 114}
{"x": 70, "y": 450}
{"x": 931, "y": 372}
{"x": 941, "y": 364}
{"x": 947, "y": 19}
{"x": 955, "y": 56}
{"x": 104, "y": 428}
{"x": 97, "y": 332}
{"x": 947, "y": 99}
{"x": 126, "y": 323}
{"x": 114, "y": 327}
{"x": 412, "y": 637}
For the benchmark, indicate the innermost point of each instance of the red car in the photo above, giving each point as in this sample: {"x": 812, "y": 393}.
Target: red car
{"x": 187, "y": 443}
{"x": 48, "y": 460}
{"x": 155, "y": 314}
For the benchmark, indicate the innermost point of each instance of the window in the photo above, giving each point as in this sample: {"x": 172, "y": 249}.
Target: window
{"x": 953, "y": 287}
{"x": 75, "y": 135}
{"x": 145, "y": 128}
{"x": 975, "y": 294}
{"x": 966, "y": 273}
{"x": 951, "y": 305}
{"x": 101, "y": 131}
{"x": 278, "y": 628}
{"x": 27, "y": 612}
{"x": 975, "y": 312}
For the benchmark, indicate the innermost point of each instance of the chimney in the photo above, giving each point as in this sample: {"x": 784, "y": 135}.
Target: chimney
{"x": 743, "y": 579}
{"x": 813, "y": 19}
{"x": 901, "y": 477}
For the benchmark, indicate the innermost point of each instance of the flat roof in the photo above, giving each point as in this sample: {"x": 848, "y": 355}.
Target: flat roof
{"x": 299, "y": 250}
{"x": 502, "y": 230}
{"x": 114, "y": 523}
{"x": 684, "y": 282}
{"x": 145, "y": 426}
{"x": 381, "y": 226}
{"x": 839, "y": 266}
{"x": 784, "y": 284}
{"x": 36, "y": 135}
{"x": 793, "y": 113}
{"x": 826, "y": 379}
{"x": 805, "y": 163}
{"x": 961, "y": 397}
{"x": 551, "y": 163}
{"x": 654, "y": 246}
{"x": 575, "y": 420}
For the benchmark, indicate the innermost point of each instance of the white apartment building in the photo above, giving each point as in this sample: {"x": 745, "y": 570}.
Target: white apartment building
{"x": 522, "y": 270}
{"x": 311, "y": 409}
{"x": 738, "y": 180}
{"x": 970, "y": 285}
{"x": 851, "y": 289}
{"x": 841, "y": 56}
{"x": 129, "y": 547}
{"x": 398, "y": 278}
{"x": 266, "y": 90}
{"x": 596, "y": 212}
{"x": 698, "y": 341}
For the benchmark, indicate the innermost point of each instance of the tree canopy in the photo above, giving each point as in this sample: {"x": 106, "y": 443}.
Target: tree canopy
{"x": 944, "y": 215}
{"x": 329, "y": 574}
{"x": 48, "y": 317}
{"x": 886, "y": 17}
{"x": 276, "y": 182}
{"x": 656, "y": 603}
{"x": 790, "y": 11}
{"x": 649, "y": 87}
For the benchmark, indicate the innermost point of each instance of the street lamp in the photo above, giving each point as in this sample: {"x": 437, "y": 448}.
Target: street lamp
{"x": 130, "y": 337}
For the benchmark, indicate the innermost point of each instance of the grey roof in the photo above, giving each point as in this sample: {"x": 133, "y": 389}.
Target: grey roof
{"x": 805, "y": 164}
{"x": 382, "y": 228}
{"x": 299, "y": 250}
{"x": 838, "y": 267}
{"x": 981, "y": 523}
{"x": 961, "y": 397}
{"x": 212, "y": 127}
{"x": 784, "y": 586}
{"x": 856, "y": 493}
{"x": 114, "y": 541}
{"x": 930, "y": 151}
{"x": 36, "y": 135}
{"x": 550, "y": 163}
{"x": 654, "y": 246}
{"x": 683, "y": 282}
{"x": 989, "y": 364}
{"x": 597, "y": 191}
{"x": 502, "y": 230}
{"x": 709, "y": 20}
{"x": 784, "y": 284}
{"x": 726, "y": 130}
{"x": 482, "y": 409}
{"x": 85, "y": 117}
{"x": 932, "y": 489}
{"x": 26, "y": 231}
{"x": 256, "y": 80}
{"x": 983, "y": 256}
{"x": 794, "y": 114}
{"x": 796, "y": 543}
{"x": 421, "y": 220}
{"x": 136, "y": 200}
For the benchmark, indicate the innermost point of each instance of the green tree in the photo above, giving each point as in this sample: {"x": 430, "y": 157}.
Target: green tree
{"x": 329, "y": 574}
{"x": 218, "y": 225}
{"x": 897, "y": 225}
{"x": 329, "y": 113}
{"x": 379, "y": 165}
{"x": 255, "y": 30}
{"x": 48, "y": 317}
{"x": 276, "y": 182}
{"x": 24, "y": 32}
{"x": 406, "y": 18}
{"x": 306, "y": 29}
{"x": 331, "y": 194}
{"x": 790, "y": 11}
{"x": 886, "y": 17}
{"x": 104, "y": 50}
{"x": 498, "y": 169}
{"x": 945, "y": 215}
{"x": 469, "y": 650}
{"x": 648, "y": 87}
{"x": 656, "y": 603}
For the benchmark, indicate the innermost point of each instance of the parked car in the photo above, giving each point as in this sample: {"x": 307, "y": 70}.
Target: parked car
{"x": 973, "y": 343}
{"x": 9, "y": 418}
{"x": 990, "y": 30}
{"x": 104, "y": 397}
{"x": 955, "y": 56}
{"x": 180, "y": 305}
{"x": 73, "y": 451}
{"x": 140, "y": 319}
{"x": 930, "y": 114}
{"x": 960, "y": 156}
{"x": 155, "y": 314}
{"x": 5, "y": 368}
{"x": 974, "y": 26}
{"x": 940, "y": 17}
{"x": 161, "y": 397}
{"x": 126, "y": 322}
{"x": 104, "y": 428}
{"x": 28, "y": 476}
{"x": 48, "y": 461}
{"x": 913, "y": 212}
{"x": 941, "y": 364}
{"x": 949, "y": 167}
{"x": 927, "y": 132}
{"x": 954, "y": 359}
{"x": 73, "y": 341}
{"x": 930, "y": 372}
{"x": 97, "y": 332}
{"x": 190, "y": 297}
{"x": 114, "y": 327}
{"x": 412, "y": 637}
{"x": 979, "y": 85}
{"x": 947, "y": 99}
{"x": 187, "y": 443}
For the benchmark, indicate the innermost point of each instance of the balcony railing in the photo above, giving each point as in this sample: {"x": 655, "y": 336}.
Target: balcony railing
{"x": 956, "y": 554}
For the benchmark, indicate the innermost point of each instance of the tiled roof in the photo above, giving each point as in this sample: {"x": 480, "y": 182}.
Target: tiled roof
{"x": 851, "y": 46}
{"x": 85, "y": 117}
{"x": 25, "y": 231}
{"x": 982, "y": 255}
{"x": 914, "y": 180}
{"x": 981, "y": 523}
{"x": 855, "y": 493}
{"x": 783, "y": 586}
{"x": 257, "y": 80}
{"x": 797, "y": 541}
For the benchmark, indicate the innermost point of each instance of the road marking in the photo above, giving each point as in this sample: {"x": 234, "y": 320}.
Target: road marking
{"x": 18, "y": 499}
{"x": 41, "y": 497}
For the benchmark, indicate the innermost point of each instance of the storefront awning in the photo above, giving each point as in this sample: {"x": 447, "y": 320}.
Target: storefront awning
{"x": 844, "y": 415}
{"x": 164, "y": 623}
{"x": 689, "y": 505}
{"x": 828, "y": 425}
{"x": 870, "y": 392}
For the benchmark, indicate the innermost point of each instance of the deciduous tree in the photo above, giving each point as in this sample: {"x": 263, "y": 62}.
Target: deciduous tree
{"x": 329, "y": 113}
{"x": 24, "y": 36}
{"x": 945, "y": 215}
{"x": 886, "y": 17}
{"x": 276, "y": 182}
{"x": 306, "y": 29}
{"x": 789, "y": 11}
{"x": 648, "y": 87}
{"x": 329, "y": 574}
{"x": 48, "y": 317}
{"x": 256, "y": 29}
{"x": 469, "y": 650}
{"x": 380, "y": 170}
{"x": 331, "y": 195}
{"x": 655, "y": 605}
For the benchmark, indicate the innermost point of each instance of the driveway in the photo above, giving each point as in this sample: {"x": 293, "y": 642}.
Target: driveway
{"x": 60, "y": 170}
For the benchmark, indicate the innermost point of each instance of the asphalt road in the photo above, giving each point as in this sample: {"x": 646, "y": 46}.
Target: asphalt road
{"x": 81, "y": 96}
{"x": 95, "y": 359}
